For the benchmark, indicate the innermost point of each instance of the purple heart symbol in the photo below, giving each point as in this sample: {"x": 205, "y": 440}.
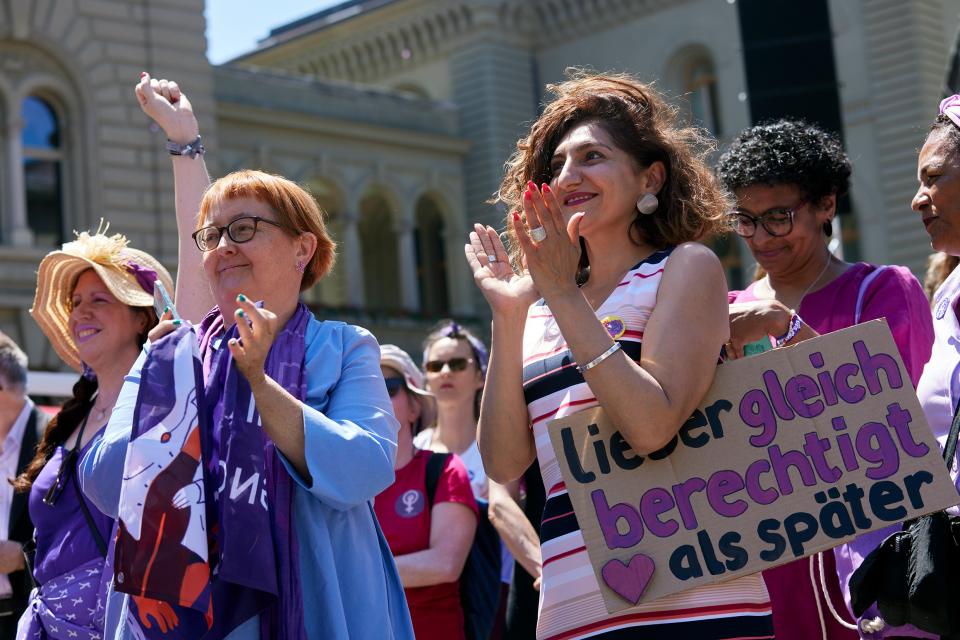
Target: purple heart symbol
{"x": 629, "y": 581}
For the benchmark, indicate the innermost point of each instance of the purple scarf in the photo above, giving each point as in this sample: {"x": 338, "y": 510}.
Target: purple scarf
{"x": 255, "y": 502}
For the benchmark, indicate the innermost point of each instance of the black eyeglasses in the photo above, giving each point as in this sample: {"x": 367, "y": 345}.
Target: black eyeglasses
{"x": 240, "y": 230}
{"x": 394, "y": 385}
{"x": 776, "y": 222}
{"x": 455, "y": 364}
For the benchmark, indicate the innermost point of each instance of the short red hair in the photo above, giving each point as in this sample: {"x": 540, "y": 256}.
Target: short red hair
{"x": 294, "y": 206}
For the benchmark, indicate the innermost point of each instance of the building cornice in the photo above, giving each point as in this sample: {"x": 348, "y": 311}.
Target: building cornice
{"x": 337, "y": 128}
{"x": 405, "y": 34}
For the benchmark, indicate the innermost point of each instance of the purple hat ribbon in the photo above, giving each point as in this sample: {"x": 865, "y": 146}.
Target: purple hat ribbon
{"x": 145, "y": 277}
{"x": 950, "y": 107}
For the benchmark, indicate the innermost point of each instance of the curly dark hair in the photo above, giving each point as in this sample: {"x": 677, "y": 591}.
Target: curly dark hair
{"x": 950, "y": 130}
{"x": 787, "y": 152}
{"x": 641, "y": 122}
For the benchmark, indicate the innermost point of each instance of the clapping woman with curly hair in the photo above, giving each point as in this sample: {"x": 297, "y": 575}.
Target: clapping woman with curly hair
{"x": 618, "y": 307}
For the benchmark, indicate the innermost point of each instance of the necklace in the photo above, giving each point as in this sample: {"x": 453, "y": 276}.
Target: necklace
{"x": 809, "y": 286}
{"x": 98, "y": 413}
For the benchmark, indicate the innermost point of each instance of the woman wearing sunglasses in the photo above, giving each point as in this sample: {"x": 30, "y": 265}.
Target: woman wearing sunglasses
{"x": 787, "y": 177}
{"x": 455, "y": 361}
{"x": 94, "y": 303}
{"x": 324, "y": 440}
{"x": 429, "y": 535}
{"x": 616, "y": 307}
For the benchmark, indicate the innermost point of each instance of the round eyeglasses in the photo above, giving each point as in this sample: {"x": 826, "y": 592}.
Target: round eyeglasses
{"x": 776, "y": 222}
{"x": 239, "y": 231}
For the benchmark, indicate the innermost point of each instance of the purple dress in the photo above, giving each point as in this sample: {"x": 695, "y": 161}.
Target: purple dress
{"x": 68, "y": 565}
{"x": 894, "y": 294}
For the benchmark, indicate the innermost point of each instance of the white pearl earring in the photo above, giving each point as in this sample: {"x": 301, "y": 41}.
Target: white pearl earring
{"x": 647, "y": 204}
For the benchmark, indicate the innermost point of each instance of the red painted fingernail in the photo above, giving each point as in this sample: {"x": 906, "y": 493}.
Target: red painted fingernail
{"x": 516, "y": 217}
{"x": 527, "y": 196}
{"x": 531, "y": 184}
{"x": 143, "y": 73}
{"x": 546, "y": 189}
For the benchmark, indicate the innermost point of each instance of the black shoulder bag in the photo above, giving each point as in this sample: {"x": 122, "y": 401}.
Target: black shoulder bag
{"x": 480, "y": 580}
{"x": 914, "y": 575}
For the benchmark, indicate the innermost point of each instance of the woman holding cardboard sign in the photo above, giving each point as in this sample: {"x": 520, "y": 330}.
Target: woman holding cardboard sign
{"x": 787, "y": 177}
{"x": 608, "y": 192}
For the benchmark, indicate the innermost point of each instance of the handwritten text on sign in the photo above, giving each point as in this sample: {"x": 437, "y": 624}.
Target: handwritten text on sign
{"x": 792, "y": 452}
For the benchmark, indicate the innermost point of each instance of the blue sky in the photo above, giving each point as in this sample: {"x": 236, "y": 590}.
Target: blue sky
{"x": 234, "y": 26}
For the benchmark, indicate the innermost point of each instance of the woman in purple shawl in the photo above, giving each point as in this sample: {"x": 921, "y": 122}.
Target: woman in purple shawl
{"x": 328, "y": 436}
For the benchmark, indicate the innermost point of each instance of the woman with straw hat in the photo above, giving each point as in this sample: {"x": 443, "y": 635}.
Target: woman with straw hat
{"x": 94, "y": 303}
{"x": 310, "y": 413}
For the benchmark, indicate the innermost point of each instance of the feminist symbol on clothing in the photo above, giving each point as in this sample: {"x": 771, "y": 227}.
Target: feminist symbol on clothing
{"x": 614, "y": 325}
{"x": 409, "y": 504}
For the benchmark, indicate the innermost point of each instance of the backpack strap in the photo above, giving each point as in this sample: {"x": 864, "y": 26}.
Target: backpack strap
{"x": 864, "y": 284}
{"x": 435, "y": 465}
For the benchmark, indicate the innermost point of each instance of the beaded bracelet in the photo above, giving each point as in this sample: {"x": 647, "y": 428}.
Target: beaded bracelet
{"x": 600, "y": 358}
{"x": 792, "y": 330}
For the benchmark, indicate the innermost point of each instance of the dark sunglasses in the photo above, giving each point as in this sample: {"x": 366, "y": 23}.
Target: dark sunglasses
{"x": 239, "y": 231}
{"x": 394, "y": 385}
{"x": 455, "y": 364}
{"x": 776, "y": 222}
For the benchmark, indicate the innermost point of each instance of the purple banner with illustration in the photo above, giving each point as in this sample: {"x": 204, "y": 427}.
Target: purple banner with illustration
{"x": 162, "y": 549}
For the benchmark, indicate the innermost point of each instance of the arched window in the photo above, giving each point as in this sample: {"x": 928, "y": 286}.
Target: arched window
{"x": 431, "y": 259}
{"x": 700, "y": 87}
{"x": 378, "y": 242}
{"x": 42, "y": 170}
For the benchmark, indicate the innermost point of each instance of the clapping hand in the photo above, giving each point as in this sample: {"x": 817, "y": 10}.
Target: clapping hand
{"x": 503, "y": 288}
{"x": 257, "y": 329}
{"x": 554, "y": 257}
{"x": 163, "y": 101}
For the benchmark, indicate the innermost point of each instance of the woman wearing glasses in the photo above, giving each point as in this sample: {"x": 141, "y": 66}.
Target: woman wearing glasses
{"x": 326, "y": 428}
{"x": 94, "y": 303}
{"x": 787, "y": 177}
{"x": 428, "y": 521}
{"x": 616, "y": 307}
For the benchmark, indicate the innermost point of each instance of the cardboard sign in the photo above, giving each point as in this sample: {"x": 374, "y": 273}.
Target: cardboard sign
{"x": 791, "y": 452}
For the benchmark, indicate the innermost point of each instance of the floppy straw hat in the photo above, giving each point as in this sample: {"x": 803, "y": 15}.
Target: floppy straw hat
{"x": 128, "y": 273}
{"x": 396, "y": 358}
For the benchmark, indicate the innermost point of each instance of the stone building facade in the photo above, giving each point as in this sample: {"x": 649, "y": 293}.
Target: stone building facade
{"x": 399, "y": 114}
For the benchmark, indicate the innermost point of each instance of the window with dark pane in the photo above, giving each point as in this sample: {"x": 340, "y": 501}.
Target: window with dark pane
{"x": 43, "y": 170}
{"x": 700, "y": 86}
{"x": 431, "y": 259}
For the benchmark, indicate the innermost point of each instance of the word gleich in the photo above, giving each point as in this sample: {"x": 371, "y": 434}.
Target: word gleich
{"x": 874, "y": 446}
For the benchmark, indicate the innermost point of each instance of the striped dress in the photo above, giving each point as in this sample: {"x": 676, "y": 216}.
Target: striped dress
{"x": 571, "y": 605}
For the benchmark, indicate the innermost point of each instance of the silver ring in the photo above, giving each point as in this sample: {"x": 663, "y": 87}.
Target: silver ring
{"x": 491, "y": 258}
{"x": 538, "y": 235}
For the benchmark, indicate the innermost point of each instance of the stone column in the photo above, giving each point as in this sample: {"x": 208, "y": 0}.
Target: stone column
{"x": 407, "y": 257}
{"x": 20, "y": 233}
{"x": 352, "y": 256}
